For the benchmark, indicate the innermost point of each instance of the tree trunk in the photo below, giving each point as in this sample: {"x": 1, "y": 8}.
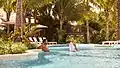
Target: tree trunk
{"x": 19, "y": 20}
{"x": 87, "y": 23}
{"x": 18, "y": 14}
{"x": 22, "y": 20}
{"x": 118, "y": 26}
{"x": 35, "y": 15}
{"x": 60, "y": 32}
{"x": 61, "y": 24}
{"x": 61, "y": 19}
{"x": 107, "y": 24}
{"x": 88, "y": 33}
{"x": 8, "y": 16}
{"x": 8, "y": 19}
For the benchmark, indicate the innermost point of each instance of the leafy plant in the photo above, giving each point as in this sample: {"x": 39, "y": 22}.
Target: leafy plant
{"x": 8, "y": 47}
{"x": 29, "y": 30}
{"x": 18, "y": 48}
{"x": 77, "y": 38}
{"x": 31, "y": 46}
{"x": 61, "y": 34}
{"x": 4, "y": 47}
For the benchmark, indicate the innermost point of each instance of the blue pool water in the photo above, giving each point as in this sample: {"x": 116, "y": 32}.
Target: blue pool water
{"x": 59, "y": 57}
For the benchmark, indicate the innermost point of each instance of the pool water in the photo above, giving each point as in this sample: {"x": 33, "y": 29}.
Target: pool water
{"x": 61, "y": 58}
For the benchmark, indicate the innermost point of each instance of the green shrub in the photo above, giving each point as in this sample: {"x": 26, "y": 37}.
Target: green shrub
{"x": 8, "y": 47}
{"x": 77, "y": 38}
{"x": 18, "y": 48}
{"x": 31, "y": 46}
{"x": 4, "y": 47}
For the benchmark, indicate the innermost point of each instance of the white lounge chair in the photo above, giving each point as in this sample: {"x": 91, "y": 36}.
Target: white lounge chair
{"x": 44, "y": 37}
{"x": 38, "y": 42}
{"x": 50, "y": 43}
{"x": 110, "y": 43}
{"x": 30, "y": 39}
{"x": 40, "y": 39}
{"x": 34, "y": 41}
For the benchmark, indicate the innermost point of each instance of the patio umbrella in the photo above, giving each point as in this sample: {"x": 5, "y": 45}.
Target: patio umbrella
{"x": 8, "y": 22}
{"x": 41, "y": 26}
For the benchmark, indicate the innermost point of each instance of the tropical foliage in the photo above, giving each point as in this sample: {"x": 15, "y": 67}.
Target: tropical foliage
{"x": 96, "y": 19}
{"x": 8, "y": 47}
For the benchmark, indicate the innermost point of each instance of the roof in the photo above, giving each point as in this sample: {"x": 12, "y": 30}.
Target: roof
{"x": 8, "y": 22}
{"x": 41, "y": 26}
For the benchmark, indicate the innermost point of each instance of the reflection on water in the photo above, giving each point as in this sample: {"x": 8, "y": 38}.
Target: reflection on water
{"x": 42, "y": 59}
{"x": 94, "y": 55}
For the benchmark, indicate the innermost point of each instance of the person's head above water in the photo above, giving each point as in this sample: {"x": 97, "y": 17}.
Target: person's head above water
{"x": 72, "y": 40}
{"x": 44, "y": 46}
{"x": 45, "y": 41}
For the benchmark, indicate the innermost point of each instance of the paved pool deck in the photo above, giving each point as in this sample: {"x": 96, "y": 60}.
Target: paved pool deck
{"x": 28, "y": 53}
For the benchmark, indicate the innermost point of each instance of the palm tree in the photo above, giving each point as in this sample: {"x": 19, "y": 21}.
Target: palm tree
{"x": 18, "y": 14}
{"x": 19, "y": 19}
{"x": 34, "y": 5}
{"x": 21, "y": 7}
{"x": 106, "y": 6}
{"x": 67, "y": 10}
{"x": 87, "y": 23}
{"x": 87, "y": 16}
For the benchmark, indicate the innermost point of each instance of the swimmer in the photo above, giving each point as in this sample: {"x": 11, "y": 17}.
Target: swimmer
{"x": 44, "y": 46}
{"x": 72, "y": 46}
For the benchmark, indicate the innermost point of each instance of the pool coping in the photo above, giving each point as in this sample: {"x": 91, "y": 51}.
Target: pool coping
{"x": 12, "y": 56}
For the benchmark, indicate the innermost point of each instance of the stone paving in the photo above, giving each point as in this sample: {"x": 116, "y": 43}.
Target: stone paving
{"x": 28, "y": 53}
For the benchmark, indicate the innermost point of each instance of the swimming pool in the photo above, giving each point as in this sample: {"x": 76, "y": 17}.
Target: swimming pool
{"x": 59, "y": 57}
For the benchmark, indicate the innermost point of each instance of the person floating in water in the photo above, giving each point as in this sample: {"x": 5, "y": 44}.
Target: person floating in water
{"x": 44, "y": 46}
{"x": 72, "y": 46}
